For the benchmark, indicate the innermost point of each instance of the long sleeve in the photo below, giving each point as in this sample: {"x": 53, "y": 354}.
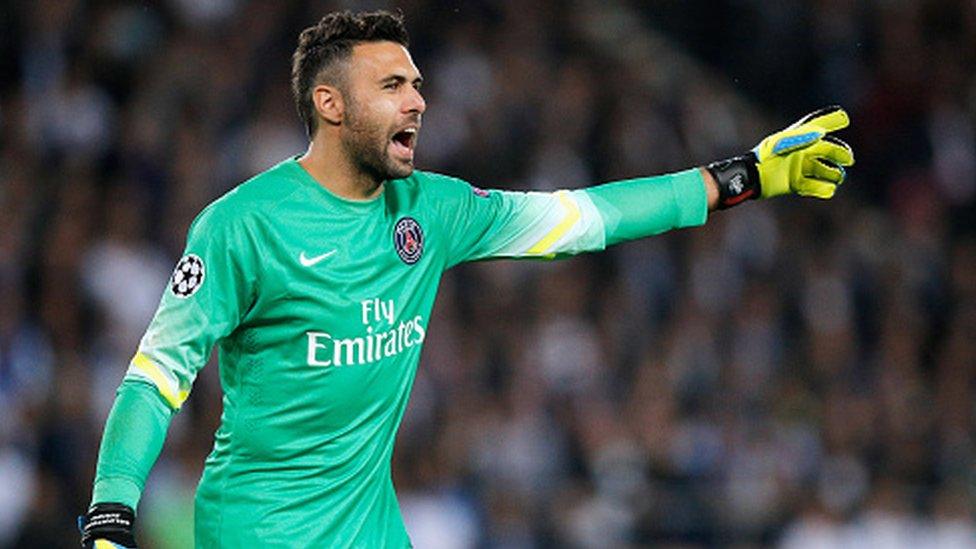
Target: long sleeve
{"x": 492, "y": 224}
{"x": 207, "y": 297}
{"x": 651, "y": 205}
{"x": 134, "y": 435}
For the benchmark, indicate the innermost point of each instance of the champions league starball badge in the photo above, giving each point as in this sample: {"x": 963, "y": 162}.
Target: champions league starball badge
{"x": 187, "y": 277}
{"x": 408, "y": 239}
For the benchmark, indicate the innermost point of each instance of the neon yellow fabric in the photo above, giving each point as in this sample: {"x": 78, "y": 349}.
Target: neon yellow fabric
{"x": 570, "y": 219}
{"x": 802, "y": 159}
{"x": 175, "y": 397}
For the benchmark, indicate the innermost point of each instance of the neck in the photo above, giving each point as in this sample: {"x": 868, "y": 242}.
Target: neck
{"x": 330, "y": 167}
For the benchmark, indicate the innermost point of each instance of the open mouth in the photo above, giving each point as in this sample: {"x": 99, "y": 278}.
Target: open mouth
{"x": 403, "y": 143}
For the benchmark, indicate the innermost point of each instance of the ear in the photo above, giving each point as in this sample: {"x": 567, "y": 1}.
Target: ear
{"x": 328, "y": 103}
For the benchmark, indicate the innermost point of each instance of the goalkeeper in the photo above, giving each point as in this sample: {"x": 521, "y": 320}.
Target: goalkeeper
{"x": 316, "y": 278}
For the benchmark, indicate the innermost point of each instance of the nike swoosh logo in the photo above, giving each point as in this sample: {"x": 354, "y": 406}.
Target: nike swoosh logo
{"x": 309, "y": 261}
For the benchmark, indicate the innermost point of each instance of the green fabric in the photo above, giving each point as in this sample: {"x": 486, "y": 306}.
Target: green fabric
{"x": 319, "y": 307}
{"x": 636, "y": 208}
{"x": 513, "y": 224}
{"x": 133, "y": 438}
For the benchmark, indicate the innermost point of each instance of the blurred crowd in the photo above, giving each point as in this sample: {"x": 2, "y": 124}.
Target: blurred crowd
{"x": 796, "y": 373}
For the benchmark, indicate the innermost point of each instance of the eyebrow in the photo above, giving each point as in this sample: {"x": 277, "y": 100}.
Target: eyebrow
{"x": 401, "y": 78}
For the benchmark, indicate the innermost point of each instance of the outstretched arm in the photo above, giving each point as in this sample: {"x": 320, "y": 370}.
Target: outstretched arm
{"x": 801, "y": 159}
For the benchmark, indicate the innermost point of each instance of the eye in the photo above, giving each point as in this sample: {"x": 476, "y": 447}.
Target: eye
{"x": 392, "y": 85}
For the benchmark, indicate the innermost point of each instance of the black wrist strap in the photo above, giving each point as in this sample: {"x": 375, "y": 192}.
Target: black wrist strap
{"x": 737, "y": 178}
{"x": 111, "y": 521}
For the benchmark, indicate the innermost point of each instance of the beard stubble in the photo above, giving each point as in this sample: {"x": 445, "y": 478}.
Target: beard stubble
{"x": 366, "y": 143}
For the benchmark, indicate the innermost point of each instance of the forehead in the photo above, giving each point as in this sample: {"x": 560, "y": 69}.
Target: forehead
{"x": 381, "y": 59}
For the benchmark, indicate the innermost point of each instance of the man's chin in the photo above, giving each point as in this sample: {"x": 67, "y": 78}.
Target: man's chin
{"x": 400, "y": 169}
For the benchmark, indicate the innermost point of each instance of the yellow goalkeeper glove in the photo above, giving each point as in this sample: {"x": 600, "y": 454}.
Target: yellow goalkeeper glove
{"x": 801, "y": 159}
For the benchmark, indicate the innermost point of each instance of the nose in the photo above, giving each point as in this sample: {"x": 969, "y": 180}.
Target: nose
{"x": 415, "y": 101}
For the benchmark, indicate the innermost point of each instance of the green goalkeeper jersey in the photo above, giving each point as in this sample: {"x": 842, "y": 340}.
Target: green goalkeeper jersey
{"x": 319, "y": 307}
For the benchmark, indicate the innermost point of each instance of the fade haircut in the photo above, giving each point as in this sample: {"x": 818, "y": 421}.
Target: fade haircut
{"x": 322, "y": 48}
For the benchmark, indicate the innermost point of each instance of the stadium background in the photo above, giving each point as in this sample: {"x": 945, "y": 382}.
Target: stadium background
{"x": 794, "y": 373}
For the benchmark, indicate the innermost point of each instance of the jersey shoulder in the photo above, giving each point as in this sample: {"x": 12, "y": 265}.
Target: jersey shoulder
{"x": 437, "y": 183}
{"x": 438, "y": 189}
{"x": 254, "y": 198}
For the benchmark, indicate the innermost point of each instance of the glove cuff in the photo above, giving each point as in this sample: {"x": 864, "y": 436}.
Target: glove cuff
{"x": 737, "y": 178}
{"x": 110, "y": 521}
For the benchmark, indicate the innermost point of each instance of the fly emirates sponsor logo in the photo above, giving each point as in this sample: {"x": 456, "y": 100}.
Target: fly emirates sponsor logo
{"x": 324, "y": 349}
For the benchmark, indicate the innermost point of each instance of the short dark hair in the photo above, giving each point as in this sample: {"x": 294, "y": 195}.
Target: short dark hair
{"x": 322, "y": 46}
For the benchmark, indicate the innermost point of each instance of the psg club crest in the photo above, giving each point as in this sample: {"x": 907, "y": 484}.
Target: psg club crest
{"x": 187, "y": 277}
{"x": 408, "y": 239}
